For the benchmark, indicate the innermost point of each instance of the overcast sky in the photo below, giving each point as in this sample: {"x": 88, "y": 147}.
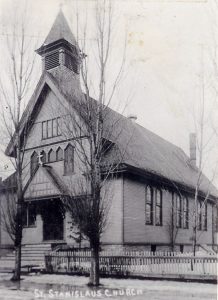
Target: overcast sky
{"x": 170, "y": 44}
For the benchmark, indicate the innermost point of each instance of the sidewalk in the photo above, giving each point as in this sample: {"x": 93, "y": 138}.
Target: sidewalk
{"x": 75, "y": 287}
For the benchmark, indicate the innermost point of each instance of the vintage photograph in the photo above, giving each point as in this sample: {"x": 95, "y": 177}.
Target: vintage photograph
{"x": 108, "y": 149}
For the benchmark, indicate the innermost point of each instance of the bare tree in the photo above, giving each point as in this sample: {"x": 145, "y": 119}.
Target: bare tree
{"x": 8, "y": 209}
{"x": 171, "y": 227}
{"x": 14, "y": 84}
{"x": 95, "y": 129}
{"x": 204, "y": 141}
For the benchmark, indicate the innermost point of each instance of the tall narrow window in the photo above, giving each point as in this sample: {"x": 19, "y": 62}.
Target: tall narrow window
{"x": 29, "y": 215}
{"x": 158, "y": 207}
{"x": 69, "y": 160}
{"x": 44, "y": 130}
{"x": 202, "y": 215}
{"x": 43, "y": 156}
{"x": 185, "y": 213}
{"x": 33, "y": 163}
{"x": 178, "y": 211}
{"x": 149, "y": 206}
{"x": 199, "y": 215}
{"x": 51, "y": 156}
{"x": 49, "y": 129}
{"x": 59, "y": 154}
{"x": 58, "y": 126}
{"x": 54, "y": 127}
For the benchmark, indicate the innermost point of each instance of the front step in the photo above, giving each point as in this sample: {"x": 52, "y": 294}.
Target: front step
{"x": 32, "y": 254}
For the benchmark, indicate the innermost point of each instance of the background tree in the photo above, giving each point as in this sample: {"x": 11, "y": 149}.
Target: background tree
{"x": 8, "y": 206}
{"x": 205, "y": 141}
{"x": 15, "y": 80}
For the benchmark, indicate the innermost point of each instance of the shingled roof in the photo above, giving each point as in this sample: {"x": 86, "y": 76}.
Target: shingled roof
{"x": 141, "y": 148}
{"x": 144, "y": 149}
{"x": 60, "y": 30}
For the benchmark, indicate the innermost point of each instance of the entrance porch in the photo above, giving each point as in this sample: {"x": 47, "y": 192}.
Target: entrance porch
{"x": 45, "y": 222}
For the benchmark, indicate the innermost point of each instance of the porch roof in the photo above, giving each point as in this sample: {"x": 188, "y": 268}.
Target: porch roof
{"x": 43, "y": 184}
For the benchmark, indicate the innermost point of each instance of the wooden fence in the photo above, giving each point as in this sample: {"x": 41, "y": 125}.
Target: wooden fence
{"x": 132, "y": 263}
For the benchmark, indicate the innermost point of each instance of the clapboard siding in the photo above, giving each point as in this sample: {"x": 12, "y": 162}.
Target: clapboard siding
{"x": 135, "y": 229}
{"x": 113, "y": 192}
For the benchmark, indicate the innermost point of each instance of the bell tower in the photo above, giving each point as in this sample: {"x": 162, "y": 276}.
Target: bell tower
{"x": 60, "y": 47}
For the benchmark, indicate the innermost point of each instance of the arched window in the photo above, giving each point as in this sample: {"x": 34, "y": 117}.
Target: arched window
{"x": 59, "y": 154}
{"x": 149, "y": 206}
{"x": 43, "y": 158}
{"x": 33, "y": 162}
{"x": 158, "y": 208}
{"x": 51, "y": 156}
{"x": 69, "y": 160}
{"x": 178, "y": 211}
{"x": 185, "y": 212}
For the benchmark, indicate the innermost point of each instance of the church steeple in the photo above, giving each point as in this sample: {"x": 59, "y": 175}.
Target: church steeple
{"x": 60, "y": 47}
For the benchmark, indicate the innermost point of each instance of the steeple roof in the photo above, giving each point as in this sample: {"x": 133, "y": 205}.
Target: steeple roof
{"x": 60, "y": 30}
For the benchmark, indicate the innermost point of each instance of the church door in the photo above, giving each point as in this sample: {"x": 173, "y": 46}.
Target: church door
{"x": 53, "y": 222}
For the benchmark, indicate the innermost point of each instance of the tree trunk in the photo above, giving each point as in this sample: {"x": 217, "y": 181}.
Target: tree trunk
{"x": 18, "y": 242}
{"x": 19, "y": 223}
{"x": 17, "y": 270}
{"x": 94, "y": 271}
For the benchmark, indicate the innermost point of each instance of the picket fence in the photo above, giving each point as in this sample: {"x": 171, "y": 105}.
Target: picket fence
{"x": 132, "y": 263}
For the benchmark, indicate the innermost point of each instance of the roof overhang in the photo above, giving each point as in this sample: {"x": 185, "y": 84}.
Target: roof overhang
{"x": 167, "y": 182}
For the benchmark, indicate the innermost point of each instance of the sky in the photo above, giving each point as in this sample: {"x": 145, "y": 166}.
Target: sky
{"x": 170, "y": 50}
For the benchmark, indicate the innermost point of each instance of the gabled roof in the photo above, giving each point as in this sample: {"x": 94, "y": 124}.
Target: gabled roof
{"x": 44, "y": 176}
{"x": 60, "y": 30}
{"x": 140, "y": 148}
{"x": 46, "y": 82}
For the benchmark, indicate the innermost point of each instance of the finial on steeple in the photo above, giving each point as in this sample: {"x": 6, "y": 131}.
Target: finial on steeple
{"x": 61, "y": 5}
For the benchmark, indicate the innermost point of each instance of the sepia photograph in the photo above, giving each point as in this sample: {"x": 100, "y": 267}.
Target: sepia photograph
{"x": 108, "y": 149}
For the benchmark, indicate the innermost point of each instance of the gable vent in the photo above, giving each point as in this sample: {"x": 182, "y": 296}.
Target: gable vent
{"x": 52, "y": 60}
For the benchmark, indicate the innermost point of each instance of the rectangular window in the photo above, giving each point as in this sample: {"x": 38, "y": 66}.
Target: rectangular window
{"x": 153, "y": 206}
{"x": 54, "y": 127}
{"x": 29, "y": 215}
{"x": 51, "y": 128}
{"x": 178, "y": 211}
{"x": 58, "y": 126}
{"x": 158, "y": 208}
{"x": 185, "y": 213}
{"x": 44, "y": 129}
{"x": 149, "y": 206}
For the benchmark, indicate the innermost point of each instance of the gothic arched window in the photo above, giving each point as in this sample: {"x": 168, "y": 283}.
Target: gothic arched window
{"x": 43, "y": 158}
{"x": 59, "y": 154}
{"x": 158, "y": 207}
{"x": 33, "y": 162}
{"x": 51, "y": 156}
{"x": 69, "y": 160}
{"x": 149, "y": 205}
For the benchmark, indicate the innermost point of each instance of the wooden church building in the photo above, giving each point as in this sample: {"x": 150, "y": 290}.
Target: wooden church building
{"x": 155, "y": 184}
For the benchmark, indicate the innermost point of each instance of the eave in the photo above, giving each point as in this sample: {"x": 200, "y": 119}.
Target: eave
{"x": 148, "y": 175}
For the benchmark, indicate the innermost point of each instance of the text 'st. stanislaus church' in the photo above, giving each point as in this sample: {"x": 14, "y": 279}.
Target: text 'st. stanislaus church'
{"x": 156, "y": 177}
